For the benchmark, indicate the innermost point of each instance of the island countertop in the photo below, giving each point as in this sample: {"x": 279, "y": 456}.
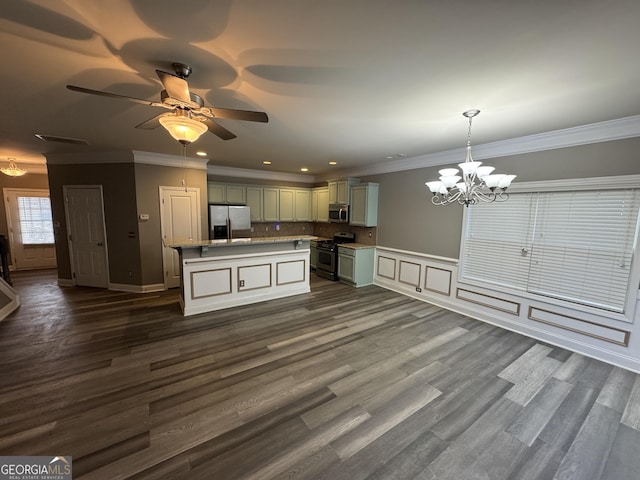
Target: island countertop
{"x": 183, "y": 244}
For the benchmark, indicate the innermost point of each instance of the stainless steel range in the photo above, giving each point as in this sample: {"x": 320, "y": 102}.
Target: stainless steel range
{"x": 327, "y": 266}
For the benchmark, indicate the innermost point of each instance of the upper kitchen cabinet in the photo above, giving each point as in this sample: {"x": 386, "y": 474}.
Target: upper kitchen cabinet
{"x": 270, "y": 204}
{"x": 216, "y": 193}
{"x": 226, "y": 193}
{"x": 363, "y": 209}
{"x": 339, "y": 190}
{"x": 302, "y": 205}
{"x": 236, "y": 194}
{"x": 320, "y": 204}
{"x": 254, "y": 202}
{"x": 287, "y": 205}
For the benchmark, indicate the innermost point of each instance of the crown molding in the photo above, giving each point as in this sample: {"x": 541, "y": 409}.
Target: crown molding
{"x": 165, "y": 160}
{"x": 576, "y": 184}
{"x": 221, "y": 171}
{"x": 127, "y": 156}
{"x": 617, "y": 129}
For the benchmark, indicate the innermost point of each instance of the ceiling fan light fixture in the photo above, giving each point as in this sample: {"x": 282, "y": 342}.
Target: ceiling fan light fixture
{"x": 183, "y": 128}
{"x": 13, "y": 170}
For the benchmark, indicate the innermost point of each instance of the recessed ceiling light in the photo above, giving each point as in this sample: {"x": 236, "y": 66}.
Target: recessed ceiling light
{"x": 304, "y": 169}
{"x": 333, "y": 163}
{"x": 201, "y": 153}
{"x": 395, "y": 156}
{"x": 266, "y": 162}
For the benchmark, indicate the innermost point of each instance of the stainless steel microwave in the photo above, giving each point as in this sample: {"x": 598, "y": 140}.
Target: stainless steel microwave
{"x": 338, "y": 212}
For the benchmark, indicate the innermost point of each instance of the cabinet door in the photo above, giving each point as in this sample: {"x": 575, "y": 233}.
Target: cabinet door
{"x": 333, "y": 192}
{"x": 254, "y": 201}
{"x": 346, "y": 267}
{"x": 287, "y": 199}
{"x": 358, "y": 206}
{"x": 216, "y": 193}
{"x": 270, "y": 204}
{"x": 302, "y": 205}
{"x": 342, "y": 192}
{"x": 322, "y": 214}
{"x": 236, "y": 194}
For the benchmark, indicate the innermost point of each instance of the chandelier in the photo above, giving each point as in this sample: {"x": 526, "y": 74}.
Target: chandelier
{"x": 479, "y": 183}
{"x": 13, "y": 170}
{"x": 182, "y": 127}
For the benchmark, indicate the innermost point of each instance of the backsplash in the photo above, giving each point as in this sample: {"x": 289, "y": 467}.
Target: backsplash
{"x": 319, "y": 229}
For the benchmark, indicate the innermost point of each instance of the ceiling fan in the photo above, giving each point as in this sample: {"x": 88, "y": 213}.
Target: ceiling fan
{"x": 184, "y": 104}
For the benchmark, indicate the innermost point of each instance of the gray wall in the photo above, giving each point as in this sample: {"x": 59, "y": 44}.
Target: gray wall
{"x": 408, "y": 221}
{"x": 128, "y": 189}
{"x": 148, "y": 180}
{"x": 119, "y": 196}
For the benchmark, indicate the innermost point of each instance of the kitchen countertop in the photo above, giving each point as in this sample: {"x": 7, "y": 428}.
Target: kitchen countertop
{"x": 356, "y": 246}
{"x": 239, "y": 241}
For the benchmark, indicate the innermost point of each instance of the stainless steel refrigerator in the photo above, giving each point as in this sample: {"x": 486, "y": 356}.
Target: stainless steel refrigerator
{"x": 229, "y": 221}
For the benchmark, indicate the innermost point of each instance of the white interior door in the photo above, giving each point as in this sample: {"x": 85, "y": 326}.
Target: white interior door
{"x": 179, "y": 221}
{"x": 30, "y": 228}
{"x": 87, "y": 239}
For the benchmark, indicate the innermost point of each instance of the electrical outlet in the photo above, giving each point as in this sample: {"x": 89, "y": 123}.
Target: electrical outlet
{"x": 241, "y": 283}
{"x": 418, "y": 289}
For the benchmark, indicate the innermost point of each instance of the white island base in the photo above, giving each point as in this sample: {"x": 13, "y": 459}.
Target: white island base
{"x": 222, "y": 274}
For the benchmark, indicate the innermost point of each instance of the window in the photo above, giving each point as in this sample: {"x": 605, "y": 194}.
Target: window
{"x": 571, "y": 245}
{"x": 36, "y": 224}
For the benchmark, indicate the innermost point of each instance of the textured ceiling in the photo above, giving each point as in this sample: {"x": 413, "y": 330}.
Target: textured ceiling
{"x": 346, "y": 81}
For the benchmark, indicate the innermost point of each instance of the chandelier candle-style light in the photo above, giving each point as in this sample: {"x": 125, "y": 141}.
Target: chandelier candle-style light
{"x": 479, "y": 183}
{"x": 13, "y": 170}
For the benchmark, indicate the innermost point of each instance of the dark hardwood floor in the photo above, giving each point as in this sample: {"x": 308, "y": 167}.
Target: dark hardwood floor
{"x": 340, "y": 383}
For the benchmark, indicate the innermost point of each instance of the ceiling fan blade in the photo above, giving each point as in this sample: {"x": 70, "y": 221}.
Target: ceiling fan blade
{"x": 175, "y": 86}
{"x": 246, "y": 115}
{"x": 151, "y": 123}
{"x": 219, "y": 130}
{"x": 115, "y": 95}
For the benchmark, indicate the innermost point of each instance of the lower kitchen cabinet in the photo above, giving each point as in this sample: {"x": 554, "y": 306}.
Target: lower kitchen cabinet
{"x": 355, "y": 265}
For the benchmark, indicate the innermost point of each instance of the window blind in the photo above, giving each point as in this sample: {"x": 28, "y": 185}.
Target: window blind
{"x": 575, "y": 246}
{"x": 494, "y": 241}
{"x": 582, "y": 247}
{"x": 36, "y": 225}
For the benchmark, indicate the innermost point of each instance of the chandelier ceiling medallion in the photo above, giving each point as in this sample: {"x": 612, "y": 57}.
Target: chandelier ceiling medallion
{"x": 477, "y": 184}
{"x": 13, "y": 170}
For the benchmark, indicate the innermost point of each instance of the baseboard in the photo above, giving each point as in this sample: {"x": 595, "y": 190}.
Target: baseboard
{"x": 124, "y": 287}
{"x": 66, "y": 282}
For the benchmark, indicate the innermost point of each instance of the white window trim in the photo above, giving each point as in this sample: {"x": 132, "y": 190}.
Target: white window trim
{"x": 573, "y": 184}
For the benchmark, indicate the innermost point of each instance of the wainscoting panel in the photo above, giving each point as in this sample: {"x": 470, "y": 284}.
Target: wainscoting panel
{"x": 438, "y": 280}
{"x": 386, "y": 267}
{"x": 291, "y": 272}
{"x": 209, "y": 283}
{"x": 410, "y": 273}
{"x": 252, "y": 277}
{"x": 489, "y": 301}
{"x": 607, "y": 336}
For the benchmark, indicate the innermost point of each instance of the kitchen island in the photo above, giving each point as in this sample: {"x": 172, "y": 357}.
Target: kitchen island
{"x": 217, "y": 274}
